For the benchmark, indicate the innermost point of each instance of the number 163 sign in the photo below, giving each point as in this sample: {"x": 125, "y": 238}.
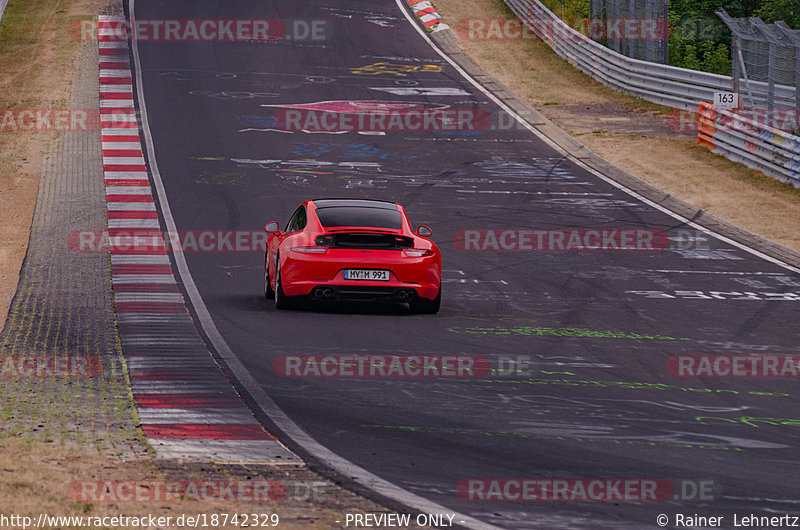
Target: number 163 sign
{"x": 726, "y": 100}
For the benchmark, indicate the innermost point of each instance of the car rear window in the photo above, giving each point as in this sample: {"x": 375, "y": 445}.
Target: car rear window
{"x": 359, "y": 216}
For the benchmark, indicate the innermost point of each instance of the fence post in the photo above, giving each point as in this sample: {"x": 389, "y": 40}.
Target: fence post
{"x": 648, "y": 42}
{"x": 597, "y": 9}
{"x": 797, "y": 78}
{"x": 793, "y": 37}
{"x": 735, "y": 65}
{"x": 773, "y": 52}
{"x": 630, "y": 41}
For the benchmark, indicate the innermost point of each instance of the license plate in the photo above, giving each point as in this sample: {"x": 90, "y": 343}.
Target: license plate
{"x": 366, "y": 274}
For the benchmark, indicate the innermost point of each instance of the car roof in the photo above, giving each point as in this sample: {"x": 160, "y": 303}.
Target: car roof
{"x": 355, "y": 203}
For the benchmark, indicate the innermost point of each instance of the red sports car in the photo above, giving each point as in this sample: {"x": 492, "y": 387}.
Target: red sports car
{"x": 352, "y": 249}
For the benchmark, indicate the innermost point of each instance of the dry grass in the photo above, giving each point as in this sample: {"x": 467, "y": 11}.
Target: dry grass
{"x": 37, "y": 56}
{"x": 37, "y": 478}
{"x": 676, "y": 165}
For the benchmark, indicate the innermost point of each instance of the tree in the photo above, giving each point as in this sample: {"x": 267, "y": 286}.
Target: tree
{"x": 774, "y": 10}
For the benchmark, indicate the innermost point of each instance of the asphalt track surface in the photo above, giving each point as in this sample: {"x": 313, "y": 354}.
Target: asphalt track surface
{"x": 589, "y": 405}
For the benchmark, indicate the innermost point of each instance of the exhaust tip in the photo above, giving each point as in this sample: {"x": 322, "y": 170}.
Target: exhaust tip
{"x": 405, "y": 295}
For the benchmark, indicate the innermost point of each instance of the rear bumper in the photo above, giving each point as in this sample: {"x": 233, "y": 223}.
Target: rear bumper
{"x": 386, "y": 291}
{"x": 302, "y": 275}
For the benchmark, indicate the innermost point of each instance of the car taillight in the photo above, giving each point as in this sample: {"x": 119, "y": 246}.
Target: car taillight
{"x": 417, "y": 252}
{"x": 310, "y": 250}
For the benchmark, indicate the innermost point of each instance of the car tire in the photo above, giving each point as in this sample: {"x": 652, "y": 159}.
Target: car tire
{"x": 424, "y": 306}
{"x": 269, "y": 292}
{"x": 281, "y": 300}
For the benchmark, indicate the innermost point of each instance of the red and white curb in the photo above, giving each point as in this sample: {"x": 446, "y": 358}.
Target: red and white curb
{"x": 186, "y": 406}
{"x": 428, "y": 15}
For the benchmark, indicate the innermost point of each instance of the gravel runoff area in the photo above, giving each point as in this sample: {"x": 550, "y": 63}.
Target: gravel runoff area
{"x": 63, "y": 306}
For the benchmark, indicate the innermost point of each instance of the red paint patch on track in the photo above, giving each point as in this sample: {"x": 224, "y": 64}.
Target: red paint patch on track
{"x": 128, "y": 96}
{"x": 120, "y": 138}
{"x": 115, "y": 66}
{"x": 122, "y": 111}
{"x": 131, "y": 167}
{"x": 207, "y": 432}
{"x": 187, "y": 401}
{"x": 127, "y": 182}
{"x": 116, "y": 81}
{"x": 122, "y": 152}
{"x": 129, "y": 198}
{"x": 132, "y": 214}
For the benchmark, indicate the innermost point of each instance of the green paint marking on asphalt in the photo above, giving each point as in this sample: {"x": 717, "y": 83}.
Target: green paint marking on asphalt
{"x": 516, "y": 434}
{"x": 627, "y": 385}
{"x": 527, "y": 331}
{"x": 751, "y": 421}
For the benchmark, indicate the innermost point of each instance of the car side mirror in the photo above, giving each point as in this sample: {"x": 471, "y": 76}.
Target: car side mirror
{"x": 272, "y": 227}
{"x": 424, "y": 231}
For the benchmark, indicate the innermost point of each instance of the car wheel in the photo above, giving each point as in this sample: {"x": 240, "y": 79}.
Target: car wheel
{"x": 269, "y": 292}
{"x": 281, "y": 300}
{"x": 425, "y": 306}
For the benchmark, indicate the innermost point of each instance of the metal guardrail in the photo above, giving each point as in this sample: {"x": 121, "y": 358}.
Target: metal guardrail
{"x": 3, "y": 4}
{"x": 753, "y": 144}
{"x": 675, "y": 87}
